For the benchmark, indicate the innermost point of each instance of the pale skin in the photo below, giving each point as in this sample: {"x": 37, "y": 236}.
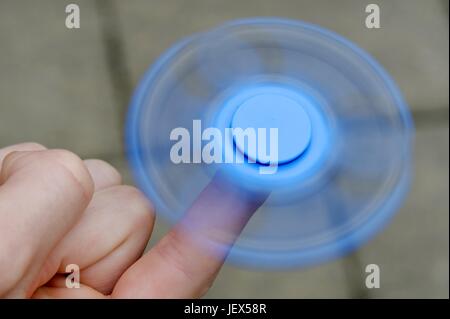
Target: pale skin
{"x": 56, "y": 210}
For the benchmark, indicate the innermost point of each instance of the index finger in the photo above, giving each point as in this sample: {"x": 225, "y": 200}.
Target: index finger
{"x": 185, "y": 262}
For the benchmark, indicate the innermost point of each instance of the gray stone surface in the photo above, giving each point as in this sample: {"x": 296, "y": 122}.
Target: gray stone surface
{"x": 413, "y": 252}
{"x": 54, "y": 84}
{"x": 412, "y": 42}
{"x": 324, "y": 281}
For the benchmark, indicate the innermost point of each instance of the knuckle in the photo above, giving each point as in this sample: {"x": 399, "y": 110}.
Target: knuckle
{"x": 23, "y": 147}
{"x": 69, "y": 162}
{"x": 63, "y": 168}
{"x": 106, "y": 169}
{"x": 67, "y": 158}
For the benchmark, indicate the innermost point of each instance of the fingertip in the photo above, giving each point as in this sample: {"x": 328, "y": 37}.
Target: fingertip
{"x": 140, "y": 211}
{"x": 103, "y": 174}
{"x": 21, "y": 147}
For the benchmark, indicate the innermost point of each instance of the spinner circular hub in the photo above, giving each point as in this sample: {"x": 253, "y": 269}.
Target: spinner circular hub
{"x": 290, "y": 120}
{"x": 278, "y": 107}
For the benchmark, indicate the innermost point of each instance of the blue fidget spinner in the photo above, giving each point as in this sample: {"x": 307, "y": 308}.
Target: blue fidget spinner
{"x": 344, "y": 136}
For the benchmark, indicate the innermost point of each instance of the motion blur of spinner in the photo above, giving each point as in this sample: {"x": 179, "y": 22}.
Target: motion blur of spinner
{"x": 345, "y": 136}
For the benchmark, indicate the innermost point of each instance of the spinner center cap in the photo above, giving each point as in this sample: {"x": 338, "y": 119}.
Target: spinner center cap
{"x": 266, "y": 111}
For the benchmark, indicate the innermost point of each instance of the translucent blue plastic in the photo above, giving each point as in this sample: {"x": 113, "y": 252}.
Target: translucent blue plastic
{"x": 290, "y": 119}
{"x": 343, "y": 171}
